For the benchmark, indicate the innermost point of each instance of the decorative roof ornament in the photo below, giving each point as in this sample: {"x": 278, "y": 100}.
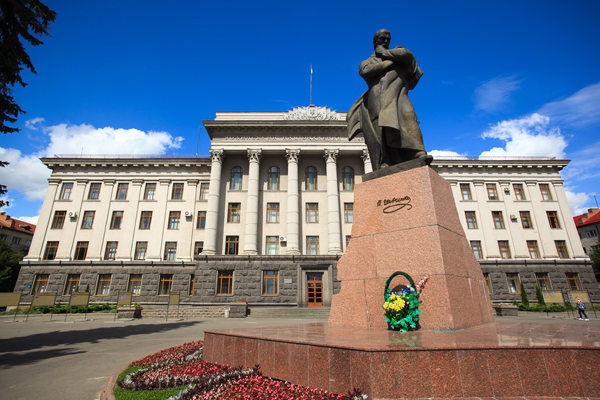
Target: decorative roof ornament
{"x": 312, "y": 113}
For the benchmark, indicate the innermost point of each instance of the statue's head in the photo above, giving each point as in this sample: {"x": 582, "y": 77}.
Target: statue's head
{"x": 382, "y": 37}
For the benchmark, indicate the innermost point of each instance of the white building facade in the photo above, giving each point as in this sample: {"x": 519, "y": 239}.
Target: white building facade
{"x": 267, "y": 215}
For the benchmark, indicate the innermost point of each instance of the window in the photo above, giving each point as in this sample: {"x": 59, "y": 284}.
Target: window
{"x": 534, "y": 251}
{"x": 492, "y": 192}
{"x": 235, "y": 182}
{"x": 16, "y": 240}
{"x": 272, "y": 212}
{"x": 111, "y": 251}
{"x": 174, "y": 217}
{"x": 514, "y": 285}
{"x": 573, "y": 281}
{"x": 103, "y": 286}
{"x": 192, "y": 284}
{"x": 487, "y": 282}
{"x": 519, "y": 192}
{"x": 4, "y": 237}
{"x": 233, "y": 212}
{"x": 201, "y": 223}
{"x": 273, "y": 245}
{"x": 51, "y": 249}
{"x": 59, "y": 219}
{"x": 465, "y": 190}
{"x": 273, "y": 178}
{"x": 204, "y": 191}
{"x": 471, "y": 219}
{"x": 198, "y": 247}
{"x": 72, "y": 284}
{"x": 270, "y": 279}
{"x": 348, "y": 240}
{"x": 476, "y": 247}
{"x": 41, "y": 283}
{"x": 545, "y": 190}
{"x": 348, "y": 212}
{"x": 543, "y": 281}
{"x": 135, "y": 284}
{"x": 498, "y": 220}
{"x": 177, "y": 193}
{"x": 553, "y": 219}
{"x": 140, "y": 250}
{"x": 65, "y": 191}
{"x": 122, "y": 191}
{"x": 170, "y": 251}
{"x": 347, "y": 178}
{"x": 232, "y": 244}
{"x": 504, "y": 248}
{"x": 561, "y": 248}
{"x": 311, "y": 178}
{"x": 225, "y": 282}
{"x": 28, "y": 243}
{"x": 312, "y": 245}
{"x": 94, "y": 192}
{"x": 115, "y": 222}
{"x": 312, "y": 212}
{"x": 526, "y": 220}
{"x": 149, "y": 191}
{"x": 164, "y": 287}
{"x": 591, "y": 234}
{"x": 81, "y": 250}
{"x": 145, "y": 219}
{"x": 88, "y": 219}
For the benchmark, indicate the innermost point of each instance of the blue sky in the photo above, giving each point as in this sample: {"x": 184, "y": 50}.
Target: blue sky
{"x": 500, "y": 78}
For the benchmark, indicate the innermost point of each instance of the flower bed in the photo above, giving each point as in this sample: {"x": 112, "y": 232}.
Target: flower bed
{"x": 182, "y": 367}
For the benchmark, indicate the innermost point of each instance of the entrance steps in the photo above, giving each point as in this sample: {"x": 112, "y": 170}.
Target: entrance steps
{"x": 284, "y": 312}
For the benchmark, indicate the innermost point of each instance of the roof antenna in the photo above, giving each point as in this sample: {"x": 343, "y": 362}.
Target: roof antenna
{"x": 311, "y": 72}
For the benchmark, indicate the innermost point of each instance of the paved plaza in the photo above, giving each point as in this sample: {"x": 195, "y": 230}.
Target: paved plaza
{"x": 52, "y": 360}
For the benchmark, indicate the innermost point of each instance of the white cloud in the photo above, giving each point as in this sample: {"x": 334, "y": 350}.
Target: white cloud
{"x": 28, "y": 175}
{"x": 495, "y": 95}
{"x": 576, "y": 201}
{"x": 33, "y": 123}
{"x": 527, "y": 137}
{"x": 31, "y": 220}
{"x": 578, "y": 110}
{"x": 445, "y": 154}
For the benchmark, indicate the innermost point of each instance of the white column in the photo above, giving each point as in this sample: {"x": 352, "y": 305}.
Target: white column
{"x": 251, "y": 240}
{"x": 367, "y": 161}
{"x": 212, "y": 207}
{"x": 293, "y": 226}
{"x": 37, "y": 246}
{"x": 333, "y": 203}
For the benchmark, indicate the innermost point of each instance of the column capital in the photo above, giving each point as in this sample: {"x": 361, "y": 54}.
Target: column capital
{"x": 365, "y": 155}
{"x": 292, "y": 155}
{"x": 216, "y": 155}
{"x": 254, "y": 155}
{"x": 331, "y": 155}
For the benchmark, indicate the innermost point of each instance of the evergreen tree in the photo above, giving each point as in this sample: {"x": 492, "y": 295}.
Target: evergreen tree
{"x": 524, "y": 298}
{"x": 27, "y": 19}
{"x": 595, "y": 257}
{"x": 540, "y": 296}
{"x": 9, "y": 266}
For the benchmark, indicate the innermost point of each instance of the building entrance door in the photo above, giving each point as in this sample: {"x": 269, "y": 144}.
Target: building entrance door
{"x": 314, "y": 289}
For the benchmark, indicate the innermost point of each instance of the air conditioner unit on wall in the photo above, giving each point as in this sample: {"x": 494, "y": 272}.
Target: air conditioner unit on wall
{"x": 188, "y": 214}
{"x": 73, "y": 214}
{"x": 283, "y": 238}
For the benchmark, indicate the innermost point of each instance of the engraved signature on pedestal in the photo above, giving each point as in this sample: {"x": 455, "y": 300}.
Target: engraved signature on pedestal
{"x": 394, "y": 204}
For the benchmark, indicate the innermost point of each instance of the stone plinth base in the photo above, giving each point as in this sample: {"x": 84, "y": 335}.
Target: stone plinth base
{"x": 238, "y": 310}
{"x": 489, "y": 361}
{"x": 408, "y": 222}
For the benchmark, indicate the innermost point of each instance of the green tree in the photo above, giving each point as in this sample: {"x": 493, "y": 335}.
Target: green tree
{"x": 524, "y": 298}
{"x": 9, "y": 266}
{"x": 595, "y": 257}
{"x": 540, "y": 296}
{"x": 27, "y": 19}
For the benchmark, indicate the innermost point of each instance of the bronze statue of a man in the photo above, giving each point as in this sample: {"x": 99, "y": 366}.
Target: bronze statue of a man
{"x": 384, "y": 114}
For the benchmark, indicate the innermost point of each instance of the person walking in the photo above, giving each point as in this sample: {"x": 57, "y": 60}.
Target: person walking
{"x": 581, "y": 309}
